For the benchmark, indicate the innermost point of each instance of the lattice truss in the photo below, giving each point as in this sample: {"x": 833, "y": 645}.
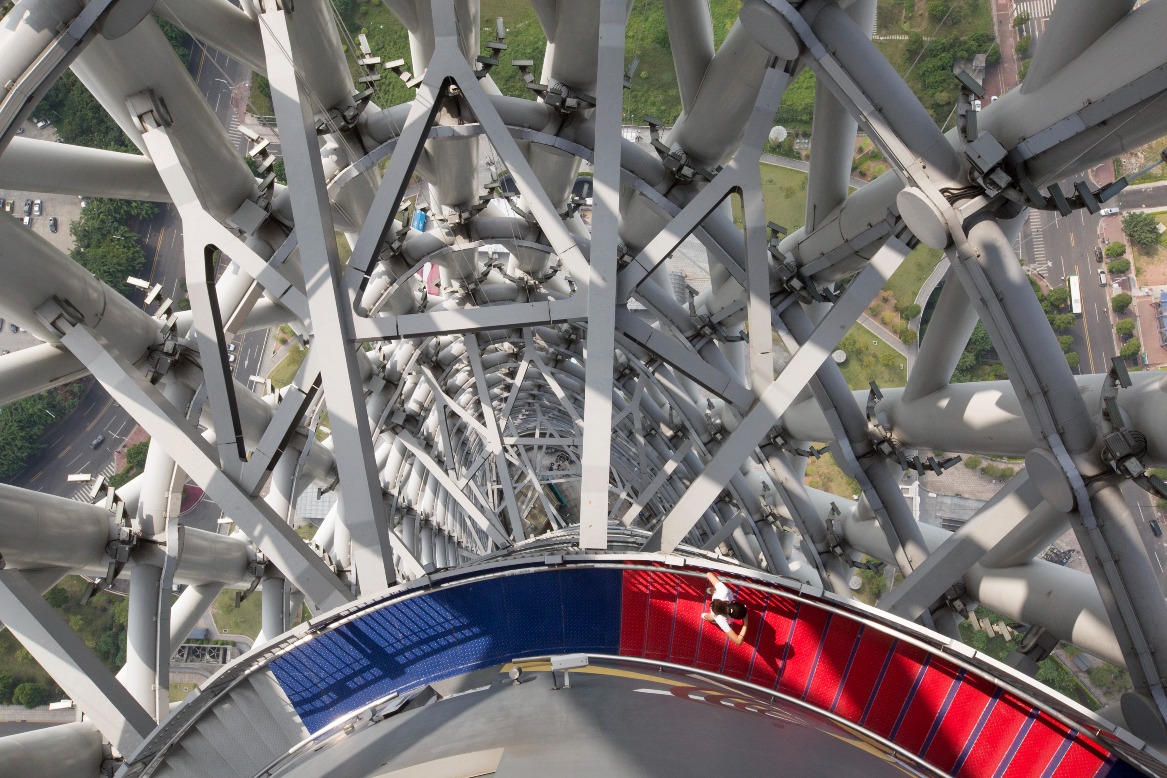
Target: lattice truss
{"x": 549, "y": 378}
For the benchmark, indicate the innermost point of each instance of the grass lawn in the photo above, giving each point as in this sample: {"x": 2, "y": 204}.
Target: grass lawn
{"x": 824, "y": 473}
{"x": 905, "y": 283}
{"x": 870, "y": 359}
{"x": 784, "y": 192}
{"x": 178, "y": 691}
{"x": 244, "y": 620}
{"x": 282, "y": 374}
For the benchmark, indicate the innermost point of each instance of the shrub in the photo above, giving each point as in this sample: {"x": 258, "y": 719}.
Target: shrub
{"x": 972, "y": 462}
{"x": 1120, "y": 302}
{"x": 910, "y": 312}
{"x": 1115, "y": 249}
{"x": 995, "y": 471}
{"x": 1117, "y": 266}
{"x": 1125, "y": 327}
{"x": 31, "y": 695}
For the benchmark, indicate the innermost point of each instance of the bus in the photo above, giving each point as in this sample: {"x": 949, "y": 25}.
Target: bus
{"x": 1075, "y": 294}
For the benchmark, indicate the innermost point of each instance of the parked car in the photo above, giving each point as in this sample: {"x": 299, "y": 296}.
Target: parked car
{"x": 1097, "y": 254}
{"x": 14, "y": 327}
{"x": 27, "y": 221}
{"x": 98, "y": 441}
{"x": 1101, "y": 277}
{"x": 52, "y": 224}
{"x": 37, "y": 208}
{"x": 28, "y": 207}
{"x": 1108, "y": 212}
{"x": 1155, "y": 528}
{"x": 42, "y": 124}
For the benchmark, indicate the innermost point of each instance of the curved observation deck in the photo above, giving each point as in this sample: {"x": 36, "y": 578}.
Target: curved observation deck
{"x": 926, "y": 705}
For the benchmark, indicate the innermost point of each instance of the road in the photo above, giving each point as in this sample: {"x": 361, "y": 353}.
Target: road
{"x": 225, "y": 82}
{"x": 1064, "y": 246}
{"x": 1151, "y": 197}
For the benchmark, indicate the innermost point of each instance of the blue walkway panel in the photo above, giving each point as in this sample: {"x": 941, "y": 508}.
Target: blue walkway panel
{"x": 456, "y": 630}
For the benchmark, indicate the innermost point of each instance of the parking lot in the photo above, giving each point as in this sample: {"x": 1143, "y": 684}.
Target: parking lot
{"x": 66, "y": 208}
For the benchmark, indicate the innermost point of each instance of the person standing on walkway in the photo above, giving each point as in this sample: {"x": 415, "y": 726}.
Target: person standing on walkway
{"x": 723, "y": 606}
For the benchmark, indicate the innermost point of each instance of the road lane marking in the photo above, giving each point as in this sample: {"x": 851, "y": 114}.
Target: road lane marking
{"x": 1089, "y": 350}
{"x": 157, "y": 251}
{"x": 1158, "y": 561}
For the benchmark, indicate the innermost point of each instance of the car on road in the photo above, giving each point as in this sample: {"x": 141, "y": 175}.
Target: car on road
{"x": 1155, "y": 529}
{"x": 98, "y": 441}
{"x": 1097, "y": 254}
{"x": 52, "y": 224}
{"x": 1108, "y": 212}
{"x": 1101, "y": 277}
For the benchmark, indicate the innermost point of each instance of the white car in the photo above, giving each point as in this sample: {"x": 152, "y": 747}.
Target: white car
{"x": 1108, "y": 212}
{"x": 1101, "y": 277}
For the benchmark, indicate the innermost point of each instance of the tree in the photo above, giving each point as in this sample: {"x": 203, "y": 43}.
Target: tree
{"x": 1142, "y": 229}
{"x": 1120, "y": 302}
{"x": 1021, "y": 19}
{"x": 136, "y": 455}
{"x": 1115, "y": 249}
{"x": 1023, "y": 44}
{"x": 1130, "y": 349}
{"x": 1072, "y": 359}
{"x": 914, "y": 45}
{"x": 1066, "y": 342}
{"x": 1058, "y": 297}
{"x": 7, "y": 685}
{"x": 31, "y": 695}
{"x": 1125, "y": 327}
{"x": 1062, "y": 322}
{"x": 1118, "y": 266}
{"x": 911, "y": 311}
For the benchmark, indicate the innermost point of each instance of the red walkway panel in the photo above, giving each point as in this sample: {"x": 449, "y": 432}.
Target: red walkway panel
{"x": 920, "y": 699}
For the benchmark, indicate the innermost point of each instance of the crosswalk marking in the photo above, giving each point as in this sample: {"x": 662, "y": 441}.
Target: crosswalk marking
{"x": 1039, "y": 12}
{"x": 1038, "y": 243}
{"x": 83, "y": 493}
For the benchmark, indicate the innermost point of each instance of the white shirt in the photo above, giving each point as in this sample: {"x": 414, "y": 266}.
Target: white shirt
{"x": 722, "y": 592}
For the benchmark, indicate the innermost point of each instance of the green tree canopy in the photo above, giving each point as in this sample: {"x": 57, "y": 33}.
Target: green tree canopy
{"x": 1118, "y": 266}
{"x": 1058, "y": 296}
{"x": 1142, "y": 229}
{"x": 1130, "y": 349}
{"x": 1066, "y": 342}
{"x": 1125, "y": 327}
{"x": 1072, "y": 359}
{"x": 31, "y": 695}
{"x": 1120, "y": 302}
{"x": 1062, "y": 322}
{"x": 1115, "y": 249}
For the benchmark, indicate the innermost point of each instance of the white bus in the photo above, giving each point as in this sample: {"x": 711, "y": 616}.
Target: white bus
{"x": 1075, "y": 295}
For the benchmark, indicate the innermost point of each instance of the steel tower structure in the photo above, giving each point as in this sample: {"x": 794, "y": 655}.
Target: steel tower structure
{"x": 559, "y": 355}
